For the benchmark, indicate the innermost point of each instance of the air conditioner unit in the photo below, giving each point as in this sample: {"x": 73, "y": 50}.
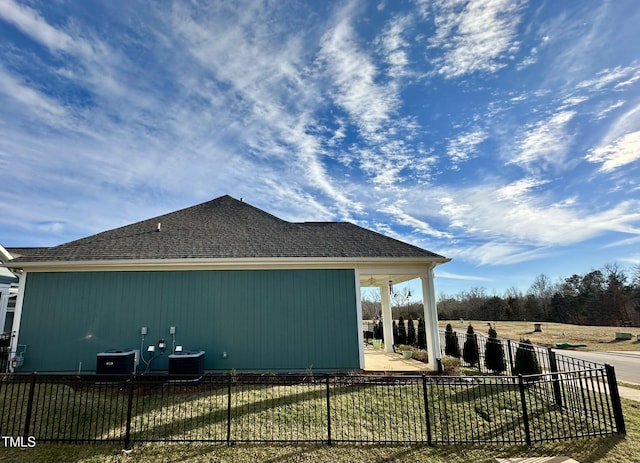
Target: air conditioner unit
{"x": 116, "y": 362}
{"x": 187, "y": 363}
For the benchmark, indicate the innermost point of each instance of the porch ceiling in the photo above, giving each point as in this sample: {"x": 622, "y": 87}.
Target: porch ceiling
{"x": 382, "y": 280}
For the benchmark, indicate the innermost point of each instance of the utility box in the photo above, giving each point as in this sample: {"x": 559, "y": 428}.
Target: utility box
{"x": 187, "y": 363}
{"x": 116, "y": 362}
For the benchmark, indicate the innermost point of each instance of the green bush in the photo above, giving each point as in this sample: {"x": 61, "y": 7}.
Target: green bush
{"x": 451, "y": 345}
{"x": 494, "y": 358}
{"x": 402, "y": 331}
{"x": 422, "y": 334}
{"x": 470, "y": 349}
{"x": 411, "y": 332}
{"x": 526, "y": 362}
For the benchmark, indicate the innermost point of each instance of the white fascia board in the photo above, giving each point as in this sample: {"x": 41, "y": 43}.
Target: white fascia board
{"x": 383, "y": 264}
{"x": 4, "y": 254}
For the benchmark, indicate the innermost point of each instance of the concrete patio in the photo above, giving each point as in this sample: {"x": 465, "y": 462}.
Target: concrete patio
{"x": 379, "y": 360}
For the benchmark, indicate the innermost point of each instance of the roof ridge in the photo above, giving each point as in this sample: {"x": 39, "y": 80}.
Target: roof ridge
{"x": 228, "y": 228}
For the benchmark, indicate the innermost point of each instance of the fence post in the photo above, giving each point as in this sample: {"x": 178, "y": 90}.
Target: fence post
{"x": 525, "y": 415}
{"x": 553, "y": 365}
{"x": 426, "y": 409}
{"x": 510, "y": 356}
{"x": 127, "y": 435}
{"x": 229, "y": 410}
{"x": 615, "y": 399}
{"x": 328, "y": 412}
{"x": 27, "y": 423}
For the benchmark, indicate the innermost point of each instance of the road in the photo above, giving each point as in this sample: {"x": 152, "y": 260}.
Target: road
{"x": 627, "y": 364}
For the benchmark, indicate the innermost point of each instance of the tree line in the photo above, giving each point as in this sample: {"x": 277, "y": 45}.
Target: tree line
{"x": 607, "y": 296}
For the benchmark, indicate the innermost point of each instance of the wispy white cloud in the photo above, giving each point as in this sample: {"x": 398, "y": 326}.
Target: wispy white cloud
{"x": 417, "y": 225}
{"x": 394, "y": 45}
{"x": 355, "y": 76}
{"x": 464, "y": 146}
{"x": 515, "y": 224}
{"x": 457, "y": 276}
{"x": 31, "y": 100}
{"x": 612, "y": 107}
{"x": 545, "y": 143}
{"x": 619, "y": 153}
{"x": 32, "y": 24}
{"x": 475, "y": 36}
{"x": 621, "y": 76}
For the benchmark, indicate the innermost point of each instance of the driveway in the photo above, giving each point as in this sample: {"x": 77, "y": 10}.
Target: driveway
{"x": 627, "y": 364}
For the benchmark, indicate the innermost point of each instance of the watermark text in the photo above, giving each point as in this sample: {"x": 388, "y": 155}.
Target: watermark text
{"x": 19, "y": 442}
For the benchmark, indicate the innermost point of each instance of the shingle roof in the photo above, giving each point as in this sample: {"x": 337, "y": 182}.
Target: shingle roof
{"x": 227, "y": 228}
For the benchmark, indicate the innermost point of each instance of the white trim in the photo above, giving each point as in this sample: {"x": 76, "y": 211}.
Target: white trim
{"x": 359, "y": 315}
{"x": 370, "y": 265}
{"x": 15, "y": 330}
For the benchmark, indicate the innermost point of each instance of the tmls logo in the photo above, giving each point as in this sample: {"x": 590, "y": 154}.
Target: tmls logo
{"x": 19, "y": 442}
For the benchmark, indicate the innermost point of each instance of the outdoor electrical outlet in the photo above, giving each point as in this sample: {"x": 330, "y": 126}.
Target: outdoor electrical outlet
{"x": 143, "y": 330}
{"x": 172, "y": 330}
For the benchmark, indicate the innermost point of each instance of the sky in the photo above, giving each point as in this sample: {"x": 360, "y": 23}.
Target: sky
{"x": 503, "y": 134}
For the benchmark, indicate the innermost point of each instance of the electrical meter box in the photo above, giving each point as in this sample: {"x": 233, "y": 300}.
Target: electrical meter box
{"x": 116, "y": 362}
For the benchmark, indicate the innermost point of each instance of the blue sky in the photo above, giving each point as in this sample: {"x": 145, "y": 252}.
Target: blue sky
{"x": 503, "y": 134}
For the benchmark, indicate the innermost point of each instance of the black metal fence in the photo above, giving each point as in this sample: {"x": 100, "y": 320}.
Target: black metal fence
{"x": 549, "y": 361}
{"x": 322, "y": 408}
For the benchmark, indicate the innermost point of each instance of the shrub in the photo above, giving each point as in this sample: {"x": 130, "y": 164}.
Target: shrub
{"x": 451, "y": 346}
{"x": 411, "y": 332}
{"x": 422, "y": 334}
{"x": 402, "y": 331}
{"x": 451, "y": 366}
{"x": 378, "y": 331}
{"x": 526, "y": 362}
{"x": 394, "y": 328}
{"x": 494, "y": 358}
{"x": 470, "y": 349}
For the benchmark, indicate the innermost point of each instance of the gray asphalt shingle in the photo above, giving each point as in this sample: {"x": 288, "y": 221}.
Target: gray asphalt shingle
{"x": 228, "y": 228}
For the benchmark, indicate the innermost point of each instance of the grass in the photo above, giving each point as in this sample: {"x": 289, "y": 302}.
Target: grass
{"x": 359, "y": 411}
{"x": 597, "y": 338}
{"x": 595, "y": 450}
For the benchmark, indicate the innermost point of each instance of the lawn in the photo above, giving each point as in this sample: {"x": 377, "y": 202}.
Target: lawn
{"x": 595, "y": 450}
{"x": 597, "y": 338}
{"x": 266, "y": 408}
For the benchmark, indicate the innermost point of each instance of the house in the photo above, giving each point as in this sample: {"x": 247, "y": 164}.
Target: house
{"x": 252, "y": 291}
{"x": 8, "y": 291}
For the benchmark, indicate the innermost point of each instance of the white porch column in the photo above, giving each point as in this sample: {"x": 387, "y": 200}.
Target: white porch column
{"x": 387, "y": 318}
{"x": 15, "y": 331}
{"x": 431, "y": 319}
{"x": 359, "y": 315}
{"x": 4, "y": 302}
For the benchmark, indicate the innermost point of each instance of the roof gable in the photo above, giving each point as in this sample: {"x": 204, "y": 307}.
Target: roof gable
{"x": 227, "y": 228}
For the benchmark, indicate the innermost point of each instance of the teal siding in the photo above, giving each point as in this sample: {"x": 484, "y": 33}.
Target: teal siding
{"x": 270, "y": 320}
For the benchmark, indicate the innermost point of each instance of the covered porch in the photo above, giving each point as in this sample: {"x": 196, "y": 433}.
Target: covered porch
{"x": 384, "y": 278}
{"x": 379, "y": 360}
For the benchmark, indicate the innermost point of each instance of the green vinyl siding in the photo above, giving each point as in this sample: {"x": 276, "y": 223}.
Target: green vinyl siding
{"x": 269, "y": 320}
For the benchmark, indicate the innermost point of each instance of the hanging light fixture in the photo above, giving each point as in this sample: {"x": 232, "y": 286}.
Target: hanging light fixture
{"x": 390, "y": 286}
{"x": 372, "y": 281}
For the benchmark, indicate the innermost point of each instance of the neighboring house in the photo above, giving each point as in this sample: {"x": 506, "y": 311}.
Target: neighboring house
{"x": 251, "y": 290}
{"x": 8, "y": 291}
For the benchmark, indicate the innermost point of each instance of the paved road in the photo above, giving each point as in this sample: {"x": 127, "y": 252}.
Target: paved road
{"x": 627, "y": 364}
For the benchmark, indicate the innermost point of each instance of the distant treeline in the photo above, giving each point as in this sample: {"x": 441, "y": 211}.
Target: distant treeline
{"x": 608, "y": 296}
